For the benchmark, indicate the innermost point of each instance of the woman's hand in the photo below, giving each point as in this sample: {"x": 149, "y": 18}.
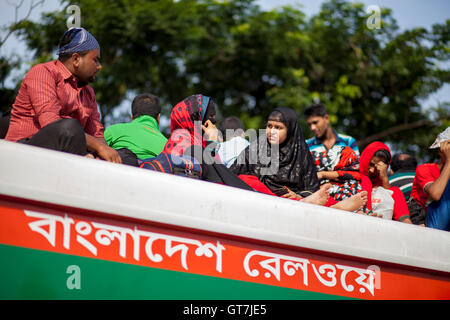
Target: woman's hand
{"x": 382, "y": 173}
{"x": 382, "y": 169}
{"x": 291, "y": 195}
{"x": 210, "y": 130}
{"x": 330, "y": 175}
{"x": 320, "y": 175}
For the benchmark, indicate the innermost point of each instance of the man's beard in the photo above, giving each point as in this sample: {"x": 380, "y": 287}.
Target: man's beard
{"x": 322, "y": 137}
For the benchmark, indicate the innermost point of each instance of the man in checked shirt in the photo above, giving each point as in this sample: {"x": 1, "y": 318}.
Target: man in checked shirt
{"x": 56, "y": 108}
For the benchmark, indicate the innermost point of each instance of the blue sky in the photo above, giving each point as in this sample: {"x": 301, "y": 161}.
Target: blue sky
{"x": 408, "y": 13}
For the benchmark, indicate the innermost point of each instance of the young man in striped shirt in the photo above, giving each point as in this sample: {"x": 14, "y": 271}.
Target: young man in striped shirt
{"x": 325, "y": 137}
{"x": 403, "y": 170}
{"x": 56, "y": 108}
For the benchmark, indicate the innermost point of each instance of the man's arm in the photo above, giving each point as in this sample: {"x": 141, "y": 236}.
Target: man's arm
{"x": 99, "y": 147}
{"x": 436, "y": 189}
{"x": 40, "y": 84}
{"x": 95, "y": 138}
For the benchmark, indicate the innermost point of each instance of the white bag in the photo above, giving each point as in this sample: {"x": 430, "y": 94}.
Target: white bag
{"x": 382, "y": 202}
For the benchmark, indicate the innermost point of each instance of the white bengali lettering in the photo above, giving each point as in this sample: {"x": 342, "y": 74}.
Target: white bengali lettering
{"x": 331, "y": 274}
{"x": 170, "y": 250}
{"x": 273, "y": 265}
{"x": 363, "y": 275}
{"x": 50, "y": 220}
{"x": 290, "y": 267}
{"x": 207, "y": 249}
{"x": 105, "y": 235}
{"x": 84, "y": 229}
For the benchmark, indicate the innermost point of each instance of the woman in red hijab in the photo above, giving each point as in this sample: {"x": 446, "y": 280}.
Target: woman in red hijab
{"x": 373, "y": 163}
{"x": 188, "y": 119}
{"x": 194, "y": 134}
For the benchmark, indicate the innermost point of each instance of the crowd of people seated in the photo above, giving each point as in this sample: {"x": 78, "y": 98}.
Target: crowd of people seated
{"x": 56, "y": 109}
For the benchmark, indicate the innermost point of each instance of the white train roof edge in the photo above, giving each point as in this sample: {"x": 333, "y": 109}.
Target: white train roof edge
{"x": 68, "y": 180}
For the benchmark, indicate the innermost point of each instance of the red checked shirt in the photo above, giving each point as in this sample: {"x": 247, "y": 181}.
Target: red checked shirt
{"x": 49, "y": 93}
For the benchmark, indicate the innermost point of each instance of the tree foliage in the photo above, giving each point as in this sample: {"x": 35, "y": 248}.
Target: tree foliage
{"x": 373, "y": 82}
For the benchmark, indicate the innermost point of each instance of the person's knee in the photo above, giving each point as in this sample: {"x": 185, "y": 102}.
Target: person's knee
{"x": 69, "y": 128}
{"x": 71, "y": 136}
{"x": 128, "y": 157}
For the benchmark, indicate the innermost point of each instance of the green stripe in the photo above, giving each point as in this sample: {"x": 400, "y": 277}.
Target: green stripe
{"x": 35, "y": 274}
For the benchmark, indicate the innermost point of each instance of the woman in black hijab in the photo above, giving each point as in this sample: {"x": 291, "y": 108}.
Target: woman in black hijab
{"x": 281, "y": 159}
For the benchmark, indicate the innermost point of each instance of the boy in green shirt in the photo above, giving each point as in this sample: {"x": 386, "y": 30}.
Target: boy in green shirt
{"x": 142, "y": 135}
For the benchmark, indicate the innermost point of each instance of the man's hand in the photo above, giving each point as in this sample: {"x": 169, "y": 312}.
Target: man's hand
{"x": 102, "y": 150}
{"x": 109, "y": 154}
{"x": 445, "y": 149}
{"x": 436, "y": 189}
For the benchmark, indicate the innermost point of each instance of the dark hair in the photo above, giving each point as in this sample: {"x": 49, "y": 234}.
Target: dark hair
{"x": 231, "y": 123}
{"x": 145, "y": 104}
{"x": 65, "y": 39}
{"x": 403, "y": 161}
{"x": 315, "y": 110}
{"x": 384, "y": 155}
{"x": 276, "y": 116}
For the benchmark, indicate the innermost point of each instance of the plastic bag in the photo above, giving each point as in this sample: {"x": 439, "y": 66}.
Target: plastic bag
{"x": 382, "y": 202}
